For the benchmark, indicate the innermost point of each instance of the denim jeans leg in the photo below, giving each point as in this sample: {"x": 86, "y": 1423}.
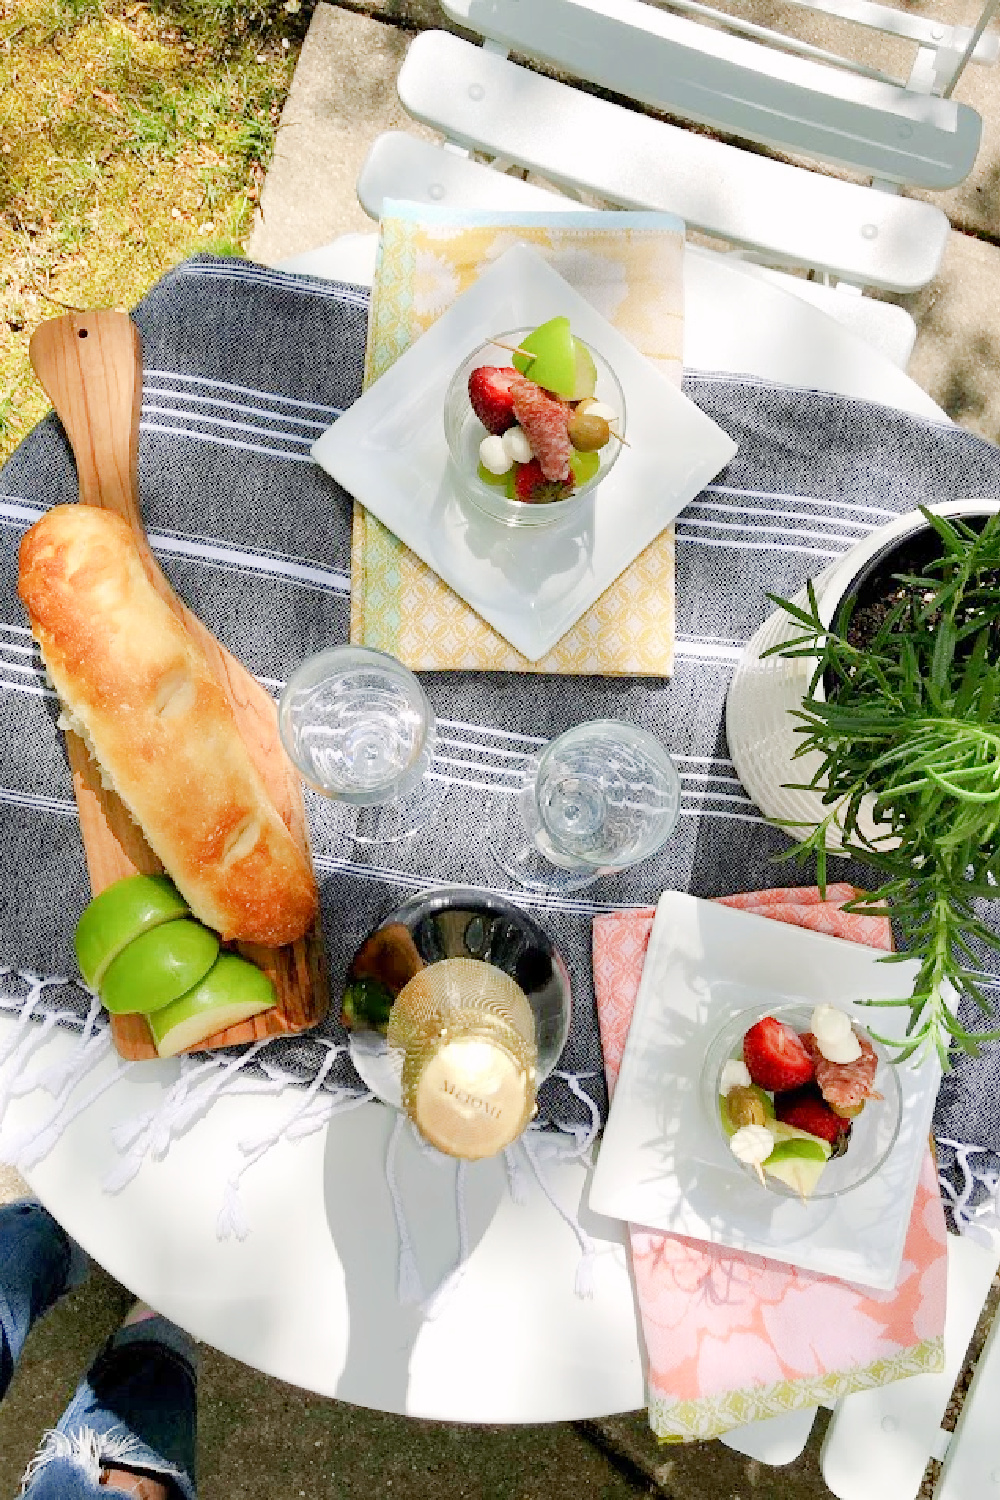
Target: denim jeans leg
{"x": 135, "y": 1409}
{"x": 36, "y": 1257}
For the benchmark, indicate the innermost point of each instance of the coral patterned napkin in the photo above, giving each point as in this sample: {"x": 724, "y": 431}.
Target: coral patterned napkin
{"x": 733, "y": 1338}
{"x": 629, "y": 265}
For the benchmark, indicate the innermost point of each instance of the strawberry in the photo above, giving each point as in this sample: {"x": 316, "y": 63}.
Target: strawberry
{"x": 490, "y": 397}
{"x": 775, "y": 1056}
{"x": 805, "y": 1109}
{"x": 530, "y": 484}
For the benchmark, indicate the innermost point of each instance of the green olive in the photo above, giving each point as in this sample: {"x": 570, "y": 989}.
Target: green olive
{"x": 745, "y": 1107}
{"x": 588, "y": 433}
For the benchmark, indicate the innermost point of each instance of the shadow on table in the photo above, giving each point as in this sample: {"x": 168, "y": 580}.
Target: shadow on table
{"x": 383, "y": 1330}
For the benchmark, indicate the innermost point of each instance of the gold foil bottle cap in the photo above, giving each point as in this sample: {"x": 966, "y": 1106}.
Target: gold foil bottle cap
{"x": 468, "y": 1037}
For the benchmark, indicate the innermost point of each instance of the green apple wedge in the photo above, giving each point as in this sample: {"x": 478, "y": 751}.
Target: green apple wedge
{"x": 157, "y": 967}
{"x": 550, "y": 357}
{"x": 798, "y": 1158}
{"x": 553, "y": 358}
{"x": 584, "y": 372}
{"x": 233, "y": 990}
{"x": 120, "y": 913}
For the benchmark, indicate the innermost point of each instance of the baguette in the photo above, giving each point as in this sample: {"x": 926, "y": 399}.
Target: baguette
{"x": 139, "y": 690}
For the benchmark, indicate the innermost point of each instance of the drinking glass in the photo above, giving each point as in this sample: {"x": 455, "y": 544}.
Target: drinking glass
{"x": 359, "y": 727}
{"x": 873, "y": 1133}
{"x": 601, "y": 797}
{"x": 464, "y": 432}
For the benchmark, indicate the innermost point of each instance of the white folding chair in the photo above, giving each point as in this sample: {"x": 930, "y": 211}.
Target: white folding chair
{"x": 779, "y": 94}
{"x": 878, "y": 1443}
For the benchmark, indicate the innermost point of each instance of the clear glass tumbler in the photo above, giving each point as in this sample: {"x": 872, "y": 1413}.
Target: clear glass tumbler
{"x": 600, "y": 798}
{"x": 873, "y": 1133}
{"x": 360, "y": 729}
{"x": 464, "y": 432}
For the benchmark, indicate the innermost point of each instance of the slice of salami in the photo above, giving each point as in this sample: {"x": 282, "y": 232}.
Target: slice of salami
{"x": 845, "y": 1086}
{"x": 544, "y": 419}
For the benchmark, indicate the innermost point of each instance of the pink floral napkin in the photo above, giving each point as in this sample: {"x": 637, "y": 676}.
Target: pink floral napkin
{"x": 732, "y": 1338}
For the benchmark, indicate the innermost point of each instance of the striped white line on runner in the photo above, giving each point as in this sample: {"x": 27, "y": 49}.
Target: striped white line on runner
{"x": 41, "y": 804}
{"x": 337, "y": 580}
{"x": 241, "y": 390}
{"x": 187, "y": 415}
{"x": 317, "y": 287}
{"x": 786, "y": 496}
{"x": 704, "y": 541}
{"x": 196, "y": 398}
{"x": 771, "y": 531}
{"x": 224, "y": 442}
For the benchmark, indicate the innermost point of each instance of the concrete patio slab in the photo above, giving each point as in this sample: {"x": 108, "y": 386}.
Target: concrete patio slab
{"x": 957, "y": 354}
{"x": 343, "y": 95}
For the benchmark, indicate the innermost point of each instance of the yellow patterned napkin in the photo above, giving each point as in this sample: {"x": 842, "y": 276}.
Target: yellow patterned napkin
{"x": 629, "y": 266}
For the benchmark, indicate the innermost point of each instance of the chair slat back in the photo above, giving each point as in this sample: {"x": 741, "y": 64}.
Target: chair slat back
{"x": 879, "y": 1441}
{"x": 792, "y": 216}
{"x": 925, "y": 31}
{"x": 739, "y": 87}
{"x": 972, "y": 1463}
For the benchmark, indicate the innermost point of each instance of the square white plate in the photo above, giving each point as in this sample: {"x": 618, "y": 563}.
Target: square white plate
{"x": 530, "y": 583}
{"x": 662, "y": 1163}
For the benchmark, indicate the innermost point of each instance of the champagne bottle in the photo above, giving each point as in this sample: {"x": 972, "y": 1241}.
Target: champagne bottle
{"x": 474, "y": 1002}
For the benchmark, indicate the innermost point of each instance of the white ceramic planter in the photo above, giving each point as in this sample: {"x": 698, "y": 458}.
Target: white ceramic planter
{"x": 763, "y": 693}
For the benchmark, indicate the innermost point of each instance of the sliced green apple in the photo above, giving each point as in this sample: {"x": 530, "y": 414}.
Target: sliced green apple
{"x": 233, "y": 990}
{"x": 554, "y": 363}
{"x": 798, "y": 1159}
{"x": 584, "y": 372}
{"x": 119, "y": 914}
{"x": 157, "y": 967}
{"x": 583, "y": 466}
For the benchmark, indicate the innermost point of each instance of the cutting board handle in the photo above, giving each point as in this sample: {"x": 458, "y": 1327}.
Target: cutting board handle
{"x": 90, "y": 367}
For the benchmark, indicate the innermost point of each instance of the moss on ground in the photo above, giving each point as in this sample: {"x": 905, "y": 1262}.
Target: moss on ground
{"x": 132, "y": 134}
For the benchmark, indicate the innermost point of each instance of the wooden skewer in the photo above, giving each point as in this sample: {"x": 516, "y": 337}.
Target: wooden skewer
{"x": 513, "y": 348}
{"x": 760, "y": 1174}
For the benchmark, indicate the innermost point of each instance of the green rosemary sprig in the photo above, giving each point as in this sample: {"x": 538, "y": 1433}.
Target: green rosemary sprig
{"x": 913, "y": 721}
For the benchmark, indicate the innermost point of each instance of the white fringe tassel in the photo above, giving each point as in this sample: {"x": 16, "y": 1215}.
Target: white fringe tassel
{"x": 203, "y": 1079}
{"x": 517, "y": 1185}
{"x": 24, "y": 1015}
{"x": 584, "y": 1135}
{"x": 437, "y": 1301}
{"x": 975, "y": 1220}
{"x": 27, "y": 1147}
{"x": 583, "y": 1283}
{"x": 311, "y": 1113}
{"x": 409, "y": 1288}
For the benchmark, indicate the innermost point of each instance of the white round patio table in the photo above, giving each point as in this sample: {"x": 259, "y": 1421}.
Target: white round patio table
{"x": 309, "y": 1296}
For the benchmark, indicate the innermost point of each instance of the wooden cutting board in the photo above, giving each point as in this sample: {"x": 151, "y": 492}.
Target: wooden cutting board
{"x": 90, "y": 366}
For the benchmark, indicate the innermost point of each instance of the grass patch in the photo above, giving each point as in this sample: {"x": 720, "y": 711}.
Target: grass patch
{"x": 132, "y": 134}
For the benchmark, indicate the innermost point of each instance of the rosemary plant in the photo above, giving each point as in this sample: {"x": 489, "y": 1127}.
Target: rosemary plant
{"x": 912, "y": 720}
